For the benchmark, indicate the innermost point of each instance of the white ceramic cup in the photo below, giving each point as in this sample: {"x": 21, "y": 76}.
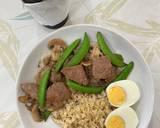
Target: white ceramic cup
{"x": 50, "y": 13}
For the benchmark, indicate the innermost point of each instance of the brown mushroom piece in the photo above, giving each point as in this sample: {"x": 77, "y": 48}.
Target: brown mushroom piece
{"x": 57, "y": 42}
{"x": 46, "y": 60}
{"x": 23, "y": 99}
{"x": 56, "y": 52}
{"x": 95, "y": 52}
{"x": 57, "y": 46}
{"x": 29, "y": 106}
{"x": 30, "y": 103}
{"x": 36, "y": 114}
{"x": 86, "y": 63}
{"x": 40, "y": 72}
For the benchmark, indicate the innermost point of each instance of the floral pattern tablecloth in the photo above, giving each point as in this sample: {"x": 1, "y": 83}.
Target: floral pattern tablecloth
{"x": 137, "y": 20}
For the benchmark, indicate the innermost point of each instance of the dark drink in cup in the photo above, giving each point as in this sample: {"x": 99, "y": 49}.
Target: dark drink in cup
{"x": 32, "y": 1}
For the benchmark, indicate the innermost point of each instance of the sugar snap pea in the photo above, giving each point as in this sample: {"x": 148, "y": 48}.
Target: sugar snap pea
{"x": 46, "y": 114}
{"x": 82, "y": 51}
{"x": 115, "y": 58}
{"x": 120, "y": 57}
{"x": 43, "y": 88}
{"x": 65, "y": 54}
{"x": 84, "y": 89}
{"x": 125, "y": 72}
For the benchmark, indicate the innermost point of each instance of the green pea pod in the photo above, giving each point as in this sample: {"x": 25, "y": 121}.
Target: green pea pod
{"x": 84, "y": 89}
{"x": 115, "y": 58}
{"x": 81, "y": 53}
{"x": 65, "y": 54}
{"x": 46, "y": 114}
{"x": 43, "y": 88}
{"x": 125, "y": 72}
{"x": 119, "y": 56}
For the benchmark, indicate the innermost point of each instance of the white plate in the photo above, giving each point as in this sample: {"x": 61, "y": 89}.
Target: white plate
{"x": 141, "y": 73}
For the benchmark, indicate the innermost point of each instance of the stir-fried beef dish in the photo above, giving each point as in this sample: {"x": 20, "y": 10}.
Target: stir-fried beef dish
{"x": 82, "y": 67}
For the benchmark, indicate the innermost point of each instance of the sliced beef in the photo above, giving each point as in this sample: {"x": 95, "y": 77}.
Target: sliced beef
{"x": 93, "y": 81}
{"x": 103, "y": 69}
{"x": 114, "y": 72}
{"x": 57, "y": 95}
{"x": 76, "y": 73}
{"x": 30, "y": 89}
{"x": 55, "y": 77}
{"x": 97, "y": 82}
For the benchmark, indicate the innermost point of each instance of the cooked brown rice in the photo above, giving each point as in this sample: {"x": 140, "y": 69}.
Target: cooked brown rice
{"x": 83, "y": 111}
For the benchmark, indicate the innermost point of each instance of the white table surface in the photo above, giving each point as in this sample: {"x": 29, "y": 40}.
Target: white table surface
{"x": 137, "y": 20}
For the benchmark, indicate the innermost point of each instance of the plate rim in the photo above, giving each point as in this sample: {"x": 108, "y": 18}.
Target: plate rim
{"x": 42, "y": 39}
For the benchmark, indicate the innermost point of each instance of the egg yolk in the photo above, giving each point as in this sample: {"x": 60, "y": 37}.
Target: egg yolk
{"x": 116, "y": 95}
{"x": 115, "y": 122}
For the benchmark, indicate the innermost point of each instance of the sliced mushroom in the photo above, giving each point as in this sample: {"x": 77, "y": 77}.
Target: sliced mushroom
{"x": 36, "y": 114}
{"x": 57, "y": 46}
{"x": 29, "y": 105}
{"x": 57, "y": 42}
{"x": 95, "y": 52}
{"x": 23, "y": 99}
{"x": 40, "y": 72}
{"x": 86, "y": 63}
{"x": 55, "y": 53}
{"x": 46, "y": 60}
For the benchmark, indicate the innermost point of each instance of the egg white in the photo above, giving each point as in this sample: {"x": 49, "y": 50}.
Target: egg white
{"x": 131, "y": 89}
{"x": 127, "y": 114}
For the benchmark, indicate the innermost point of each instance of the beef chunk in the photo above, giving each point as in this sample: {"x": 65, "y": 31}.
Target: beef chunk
{"x": 93, "y": 81}
{"x": 114, "y": 72}
{"x": 30, "y": 89}
{"x": 57, "y": 95}
{"x": 76, "y": 73}
{"x": 97, "y": 82}
{"x": 55, "y": 77}
{"x": 103, "y": 69}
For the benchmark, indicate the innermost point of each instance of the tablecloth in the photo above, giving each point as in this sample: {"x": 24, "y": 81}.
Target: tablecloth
{"x": 137, "y": 20}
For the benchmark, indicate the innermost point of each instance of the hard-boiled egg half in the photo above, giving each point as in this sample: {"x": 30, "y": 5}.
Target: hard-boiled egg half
{"x": 123, "y": 93}
{"x": 123, "y": 117}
